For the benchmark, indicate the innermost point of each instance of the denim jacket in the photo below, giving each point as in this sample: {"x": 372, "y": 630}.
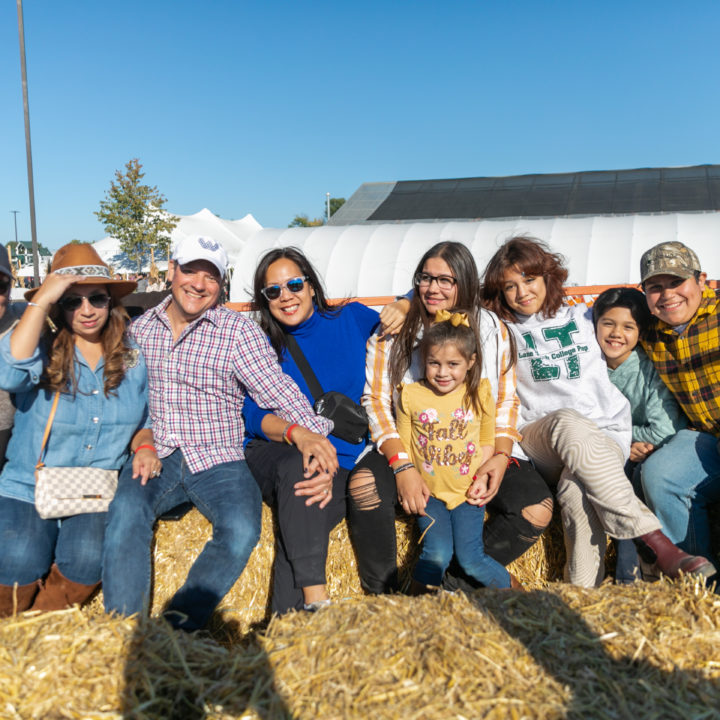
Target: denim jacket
{"x": 89, "y": 430}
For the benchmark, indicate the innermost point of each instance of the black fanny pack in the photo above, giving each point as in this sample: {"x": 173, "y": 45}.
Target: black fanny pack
{"x": 349, "y": 418}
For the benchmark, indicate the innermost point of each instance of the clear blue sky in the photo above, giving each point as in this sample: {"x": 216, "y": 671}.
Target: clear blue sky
{"x": 263, "y": 107}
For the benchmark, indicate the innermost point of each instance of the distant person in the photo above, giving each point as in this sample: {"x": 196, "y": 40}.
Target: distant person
{"x": 203, "y": 359}
{"x": 683, "y": 477}
{"x": 142, "y": 283}
{"x": 9, "y": 317}
{"x": 155, "y": 284}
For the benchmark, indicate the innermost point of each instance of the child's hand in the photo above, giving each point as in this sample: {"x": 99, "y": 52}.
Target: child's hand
{"x": 475, "y": 493}
{"x": 640, "y": 450}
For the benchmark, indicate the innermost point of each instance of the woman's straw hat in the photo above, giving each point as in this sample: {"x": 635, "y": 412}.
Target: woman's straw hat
{"x": 82, "y": 259}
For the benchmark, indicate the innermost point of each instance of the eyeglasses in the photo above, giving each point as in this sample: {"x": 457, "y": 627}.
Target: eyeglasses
{"x": 294, "y": 285}
{"x": 4, "y": 286}
{"x": 70, "y": 303}
{"x": 445, "y": 282}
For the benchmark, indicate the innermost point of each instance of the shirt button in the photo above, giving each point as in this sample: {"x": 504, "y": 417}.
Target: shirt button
{"x": 96, "y": 419}
{"x": 94, "y": 392}
{"x": 88, "y": 447}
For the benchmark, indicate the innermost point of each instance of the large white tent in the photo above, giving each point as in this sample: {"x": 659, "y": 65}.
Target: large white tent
{"x": 378, "y": 259}
{"x": 231, "y": 233}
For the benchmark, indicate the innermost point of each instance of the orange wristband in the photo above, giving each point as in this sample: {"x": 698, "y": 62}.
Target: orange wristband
{"x": 145, "y": 447}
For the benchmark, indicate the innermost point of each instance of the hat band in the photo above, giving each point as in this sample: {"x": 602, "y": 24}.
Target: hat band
{"x": 86, "y": 270}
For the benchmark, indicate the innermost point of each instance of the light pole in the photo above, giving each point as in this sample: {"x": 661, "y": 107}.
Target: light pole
{"x": 28, "y": 146}
{"x": 15, "y": 212}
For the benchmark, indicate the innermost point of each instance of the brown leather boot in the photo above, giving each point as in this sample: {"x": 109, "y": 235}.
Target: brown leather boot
{"x": 656, "y": 549}
{"x": 515, "y": 584}
{"x": 16, "y": 598}
{"x": 58, "y": 593}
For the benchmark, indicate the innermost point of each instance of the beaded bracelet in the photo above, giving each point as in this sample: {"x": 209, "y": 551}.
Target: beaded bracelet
{"x": 403, "y": 467}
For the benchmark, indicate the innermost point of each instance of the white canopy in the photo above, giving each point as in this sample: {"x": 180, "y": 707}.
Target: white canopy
{"x": 379, "y": 259}
{"x": 232, "y": 234}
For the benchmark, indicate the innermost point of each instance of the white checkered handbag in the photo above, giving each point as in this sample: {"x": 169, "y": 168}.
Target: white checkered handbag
{"x": 65, "y": 491}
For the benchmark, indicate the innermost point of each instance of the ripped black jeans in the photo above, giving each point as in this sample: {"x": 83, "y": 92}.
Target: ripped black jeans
{"x": 508, "y": 533}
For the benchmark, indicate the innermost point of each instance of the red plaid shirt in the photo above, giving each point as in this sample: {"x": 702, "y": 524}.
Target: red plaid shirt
{"x": 197, "y": 384}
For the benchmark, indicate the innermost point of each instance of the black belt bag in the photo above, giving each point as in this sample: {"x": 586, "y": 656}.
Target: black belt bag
{"x": 349, "y": 418}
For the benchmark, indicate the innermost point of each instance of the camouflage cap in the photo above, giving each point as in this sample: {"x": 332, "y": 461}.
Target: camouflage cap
{"x": 669, "y": 258}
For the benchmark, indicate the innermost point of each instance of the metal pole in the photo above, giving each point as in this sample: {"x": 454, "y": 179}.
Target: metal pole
{"x": 15, "y": 212}
{"x": 28, "y": 147}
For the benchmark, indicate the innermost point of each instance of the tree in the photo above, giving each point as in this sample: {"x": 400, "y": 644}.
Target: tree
{"x": 335, "y": 205}
{"x": 133, "y": 213}
{"x": 305, "y": 221}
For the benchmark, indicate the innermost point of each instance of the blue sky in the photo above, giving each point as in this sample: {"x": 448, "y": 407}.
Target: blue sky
{"x": 263, "y": 107}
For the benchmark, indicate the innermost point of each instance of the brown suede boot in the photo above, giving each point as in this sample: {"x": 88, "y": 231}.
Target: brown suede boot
{"x": 656, "y": 549}
{"x": 16, "y": 599}
{"x": 58, "y": 593}
{"x": 515, "y": 584}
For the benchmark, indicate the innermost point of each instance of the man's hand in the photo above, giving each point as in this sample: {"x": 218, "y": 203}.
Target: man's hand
{"x": 494, "y": 469}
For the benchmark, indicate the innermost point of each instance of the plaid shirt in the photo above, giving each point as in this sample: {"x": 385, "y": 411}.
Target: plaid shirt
{"x": 689, "y": 363}
{"x": 197, "y": 384}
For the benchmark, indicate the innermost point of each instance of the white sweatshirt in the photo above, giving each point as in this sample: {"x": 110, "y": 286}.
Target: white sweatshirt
{"x": 560, "y": 366}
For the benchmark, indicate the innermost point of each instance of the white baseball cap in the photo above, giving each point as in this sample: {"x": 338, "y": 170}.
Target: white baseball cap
{"x": 201, "y": 247}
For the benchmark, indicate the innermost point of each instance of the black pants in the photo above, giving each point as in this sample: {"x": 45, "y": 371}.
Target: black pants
{"x": 507, "y": 534}
{"x": 302, "y": 542}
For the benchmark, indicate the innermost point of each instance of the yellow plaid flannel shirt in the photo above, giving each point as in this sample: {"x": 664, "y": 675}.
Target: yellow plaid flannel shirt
{"x": 689, "y": 363}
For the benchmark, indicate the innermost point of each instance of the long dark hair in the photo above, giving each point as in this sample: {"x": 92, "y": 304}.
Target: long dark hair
{"x": 467, "y": 282}
{"x": 467, "y": 341}
{"x": 271, "y": 327}
{"x": 59, "y": 373}
{"x": 532, "y": 257}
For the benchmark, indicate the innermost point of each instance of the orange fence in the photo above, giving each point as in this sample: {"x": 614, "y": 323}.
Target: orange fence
{"x": 575, "y": 294}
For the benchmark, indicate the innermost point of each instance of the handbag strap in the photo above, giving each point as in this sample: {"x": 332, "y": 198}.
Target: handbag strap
{"x": 48, "y": 425}
{"x": 306, "y": 371}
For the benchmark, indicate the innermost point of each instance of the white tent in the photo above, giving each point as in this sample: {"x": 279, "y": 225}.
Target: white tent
{"x": 232, "y": 234}
{"x": 379, "y": 259}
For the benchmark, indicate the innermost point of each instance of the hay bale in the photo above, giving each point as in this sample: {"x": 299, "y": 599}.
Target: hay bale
{"x": 615, "y": 652}
{"x": 178, "y": 543}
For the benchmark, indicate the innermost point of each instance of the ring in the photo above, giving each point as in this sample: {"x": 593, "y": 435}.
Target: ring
{"x": 325, "y": 491}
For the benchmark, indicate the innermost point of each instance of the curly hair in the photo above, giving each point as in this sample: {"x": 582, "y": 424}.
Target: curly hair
{"x": 529, "y": 256}
{"x": 467, "y": 282}
{"x": 466, "y": 341}
{"x": 270, "y": 325}
{"x": 624, "y": 297}
{"x": 59, "y": 373}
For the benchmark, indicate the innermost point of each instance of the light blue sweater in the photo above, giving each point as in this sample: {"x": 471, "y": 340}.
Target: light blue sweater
{"x": 656, "y": 416}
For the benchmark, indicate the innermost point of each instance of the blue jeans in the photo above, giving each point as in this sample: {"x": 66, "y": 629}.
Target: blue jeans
{"x": 29, "y": 545}
{"x": 227, "y": 495}
{"x": 679, "y": 480}
{"x": 461, "y": 530}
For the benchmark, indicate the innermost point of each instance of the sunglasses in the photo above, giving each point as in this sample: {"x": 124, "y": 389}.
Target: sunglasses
{"x": 4, "y": 286}
{"x": 70, "y": 303}
{"x": 294, "y": 285}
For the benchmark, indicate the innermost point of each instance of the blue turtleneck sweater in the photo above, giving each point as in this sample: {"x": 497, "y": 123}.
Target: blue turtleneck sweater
{"x": 334, "y": 346}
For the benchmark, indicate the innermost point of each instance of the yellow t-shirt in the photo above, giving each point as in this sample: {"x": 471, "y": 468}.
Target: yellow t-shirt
{"x": 443, "y": 439}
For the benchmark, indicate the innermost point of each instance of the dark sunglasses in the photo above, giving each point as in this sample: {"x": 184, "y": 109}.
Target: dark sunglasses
{"x": 70, "y": 303}
{"x": 4, "y": 286}
{"x": 294, "y": 285}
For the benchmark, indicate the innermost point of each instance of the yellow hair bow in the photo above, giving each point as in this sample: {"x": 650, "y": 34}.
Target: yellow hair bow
{"x": 454, "y": 319}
